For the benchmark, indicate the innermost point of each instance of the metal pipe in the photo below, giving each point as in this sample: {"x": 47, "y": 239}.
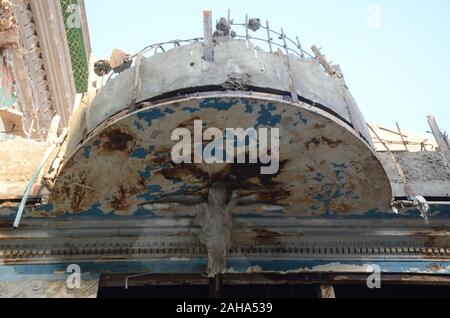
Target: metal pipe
{"x": 300, "y": 47}
{"x": 269, "y": 38}
{"x": 246, "y": 26}
{"x": 31, "y": 183}
{"x": 283, "y": 36}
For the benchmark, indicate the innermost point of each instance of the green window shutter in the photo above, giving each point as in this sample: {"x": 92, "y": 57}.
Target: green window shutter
{"x": 76, "y": 43}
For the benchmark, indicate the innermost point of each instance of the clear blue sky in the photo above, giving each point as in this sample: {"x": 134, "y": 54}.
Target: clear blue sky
{"x": 397, "y": 69}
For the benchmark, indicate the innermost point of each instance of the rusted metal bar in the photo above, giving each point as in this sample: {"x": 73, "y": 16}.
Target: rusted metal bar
{"x": 442, "y": 143}
{"x": 294, "y": 95}
{"x": 246, "y": 27}
{"x": 269, "y": 37}
{"x": 283, "y": 36}
{"x": 299, "y": 45}
{"x": 208, "y": 45}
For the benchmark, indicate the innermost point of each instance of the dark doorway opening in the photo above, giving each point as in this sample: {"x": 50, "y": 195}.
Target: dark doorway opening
{"x": 271, "y": 286}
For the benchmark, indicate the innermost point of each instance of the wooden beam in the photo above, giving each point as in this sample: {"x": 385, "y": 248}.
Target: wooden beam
{"x": 391, "y": 131}
{"x": 408, "y": 188}
{"x": 401, "y": 136}
{"x": 440, "y": 139}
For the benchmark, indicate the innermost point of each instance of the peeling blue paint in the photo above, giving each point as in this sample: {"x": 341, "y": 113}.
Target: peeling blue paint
{"x": 437, "y": 210}
{"x": 338, "y": 194}
{"x": 341, "y": 166}
{"x": 326, "y": 196}
{"x": 92, "y": 270}
{"x": 192, "y": 110}
{"x": 141, "y": 212}
{"x": 87, "y": 152}
{"x": 147, "y": 173}
{"x": 218, "y": 104}
{"x": 266, "y": 117}
{"x": 138, "y": 125}
{"x": 44, "y": 208}
{"x": 319, "y": 177}
{"x": 339, "y": 170}
{"x": 96, "y": 211}
{"x": 142, "y": 153}
{"x": 151, "y": 115}
{"x": 153, "y": 194}
{"x": 302, "y": 118}
{"x": 248, "y": 106}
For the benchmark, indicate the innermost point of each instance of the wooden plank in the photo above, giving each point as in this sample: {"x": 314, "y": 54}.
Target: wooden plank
{"x": 391, "y": 131}
{"x": 401, "y": 135}
{"x": 443, "y": 146}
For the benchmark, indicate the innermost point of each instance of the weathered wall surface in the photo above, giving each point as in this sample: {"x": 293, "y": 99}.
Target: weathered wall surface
{"x": 427, "y": 173}
{"x": 19, "y": 160}
{"x": 238, "y": 65}
{"x": 125, "y": 168}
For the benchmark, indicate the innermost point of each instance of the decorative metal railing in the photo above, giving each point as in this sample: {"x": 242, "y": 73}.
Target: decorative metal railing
{"x": 285, "y": 42}
{"x": 224, "y": 29}
{"x": 272, "y": 38}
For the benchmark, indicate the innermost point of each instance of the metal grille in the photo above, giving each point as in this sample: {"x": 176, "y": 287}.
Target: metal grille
{"x": 75, "y": 39}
